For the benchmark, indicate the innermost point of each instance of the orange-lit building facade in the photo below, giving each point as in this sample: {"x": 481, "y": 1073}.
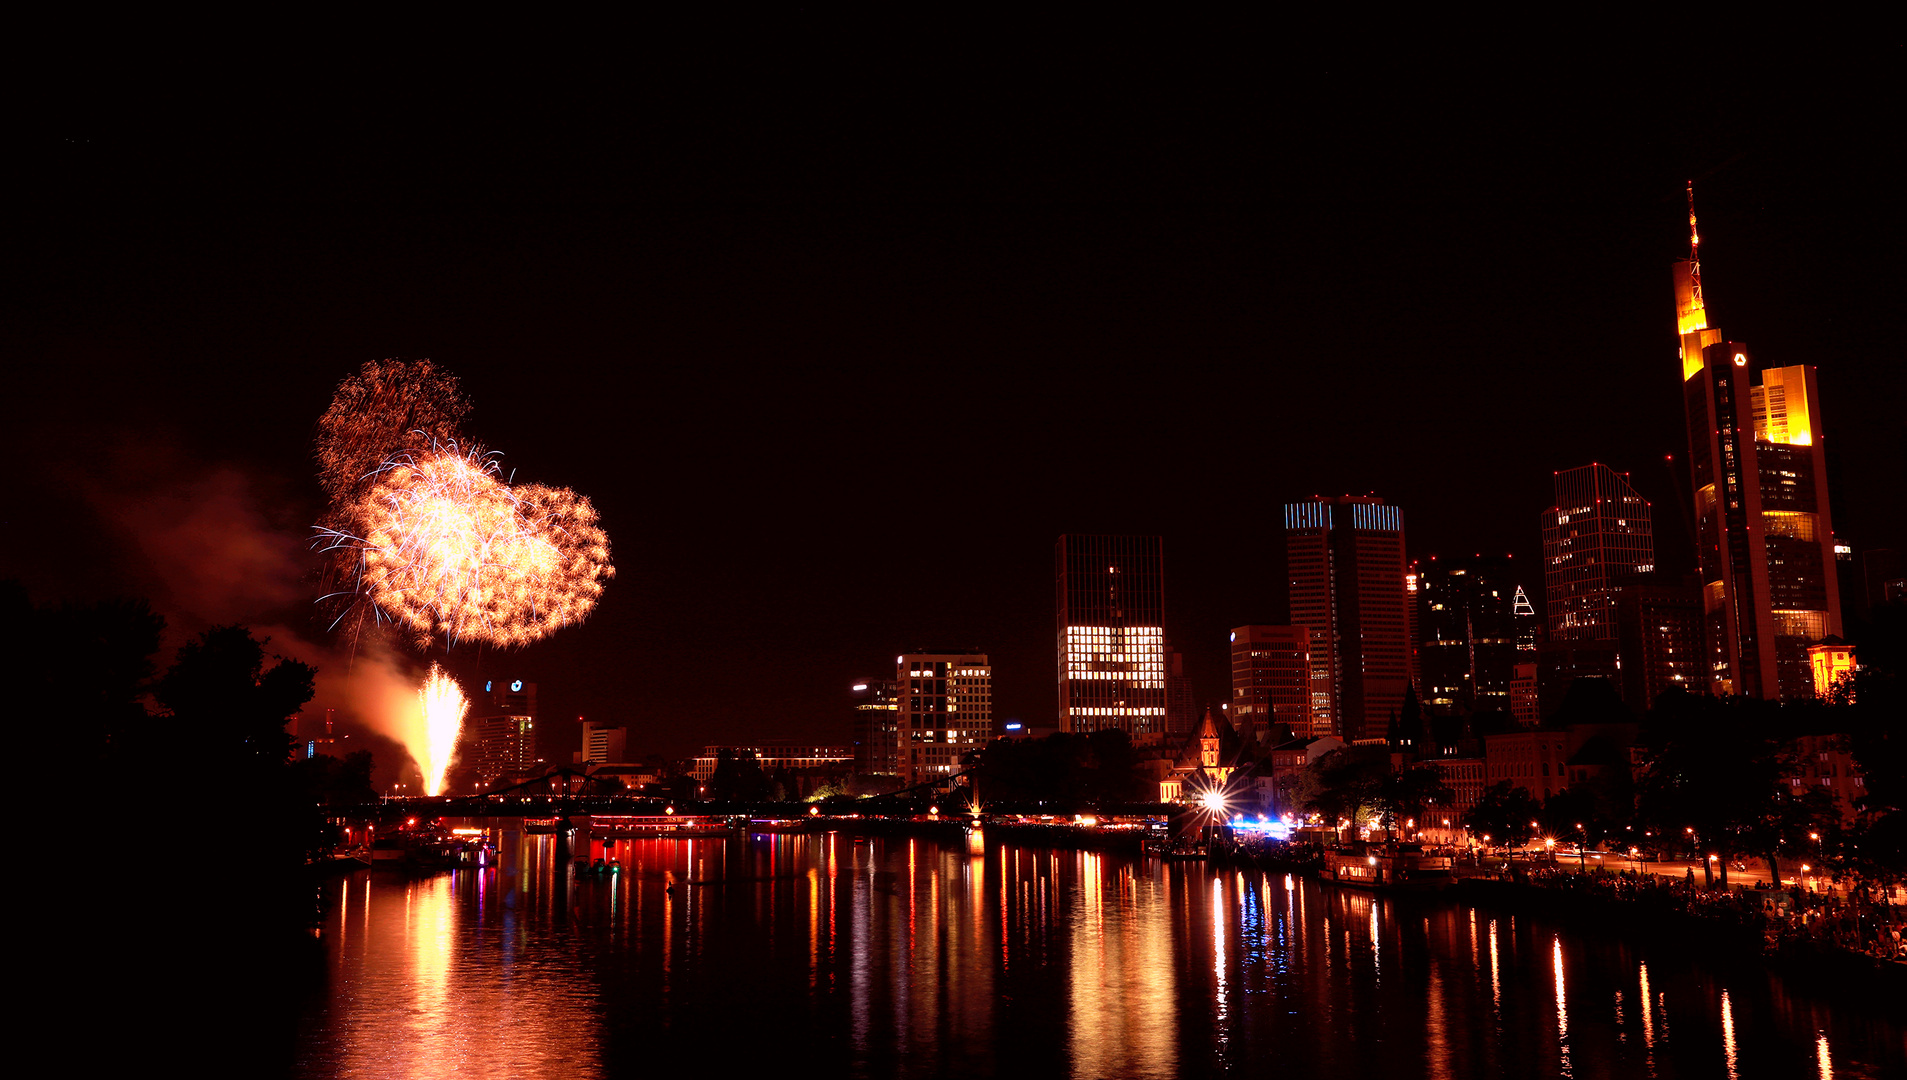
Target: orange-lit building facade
{"x": 1271, "y": 681}
{"x": 1831, "y": 661}
{"x": 944, "y": 711}
{"x": 1764, "y": 533}
{"x": 1345, "y": 563}
{"x": 1110, "y": 628}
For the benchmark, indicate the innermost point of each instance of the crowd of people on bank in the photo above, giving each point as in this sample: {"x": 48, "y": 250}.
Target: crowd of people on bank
{"x": 1784, "y": 918}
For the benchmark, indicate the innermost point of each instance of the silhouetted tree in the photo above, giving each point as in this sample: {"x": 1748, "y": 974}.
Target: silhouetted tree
{"x": 1503, "y": 814}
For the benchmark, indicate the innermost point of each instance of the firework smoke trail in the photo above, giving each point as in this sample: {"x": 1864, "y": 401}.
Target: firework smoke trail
{"x": 445, "y": 548}
{"x": 444, "y": 706}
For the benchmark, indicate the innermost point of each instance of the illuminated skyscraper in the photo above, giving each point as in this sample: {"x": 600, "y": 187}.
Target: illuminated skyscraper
{"x": 945, "y": 711}
{"x": 1271, "y": 681}
{"x": 1469, "y": 634}
{"x": 876, "y": 727}
{"x": 1597, "y": 536}
{"x": 1110, "y": 600}
{"x": 1764, "y": 535}
{"x": 499, "y": 742}
{"x": 1345, "y": 558}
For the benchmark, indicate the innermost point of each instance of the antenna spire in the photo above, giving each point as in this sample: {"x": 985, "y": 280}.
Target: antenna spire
{"x": 1694, "y": 251}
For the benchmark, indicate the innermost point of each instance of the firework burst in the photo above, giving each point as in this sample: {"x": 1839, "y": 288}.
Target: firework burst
{"x": 388, "y": 407}
{"x": 445, "y": 547}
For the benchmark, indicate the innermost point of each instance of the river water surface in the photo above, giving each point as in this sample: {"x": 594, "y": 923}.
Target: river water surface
{"x": 824, "y": 955}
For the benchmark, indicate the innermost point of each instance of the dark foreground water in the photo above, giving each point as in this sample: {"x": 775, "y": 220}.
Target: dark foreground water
{"x": 822, "y": 956}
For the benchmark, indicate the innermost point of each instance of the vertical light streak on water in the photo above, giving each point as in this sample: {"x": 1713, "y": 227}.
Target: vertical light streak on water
{"x": 912, "y": 847}
{"x": 1222, "y": 996}
{"x": 1648, "y": 1020}
{"x": 1621, "y": 1035}
{"x": 428, "y": 919}
{"x": 1821, "y": 1059}
{"x": 977, "y": 898}
{"x": 834, "y": 896}
{"x": 1496, "y": 981}
{"x": 1006, "y": 925}
{"x": 1475, "y": 960}
{"x": 1562, "y": 1007}
{"x": 344, "y": 914}
{"x": 616, "y": 884}
{"x": 861, "y": 953}
{"x": 1728, "y": 1036}
{"x": 1377, "y": 960}
{"x": 1436, "y": 1044}
{"x": 814, "y": 927}
{"x": 1094, "y": 1005}
{"x": 669, "y": 881}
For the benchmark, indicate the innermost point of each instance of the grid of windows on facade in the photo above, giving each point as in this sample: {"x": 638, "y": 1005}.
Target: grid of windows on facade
{"x": 945, "y": 711}
{"x": 1117, "y": 676}
{"x": 775, "y": 756}
{"x": 876, "y": 726}
{"x": 1469, "y": 634}
{"x": 1346, "y": 571}
{"x": 1271, "y": 680}
{"x": 1597, "y": 536}
{"x": 1110, "y": 617}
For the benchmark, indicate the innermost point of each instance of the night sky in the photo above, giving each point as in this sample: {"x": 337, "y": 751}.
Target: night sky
{"x": 838, "y": 345}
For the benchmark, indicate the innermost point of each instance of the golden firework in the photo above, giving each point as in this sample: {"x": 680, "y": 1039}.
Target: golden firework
{"x": 447, "y": 548}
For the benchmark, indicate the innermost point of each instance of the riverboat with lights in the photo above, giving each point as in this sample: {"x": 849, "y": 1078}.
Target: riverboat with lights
{"x": 1399, "y": 866}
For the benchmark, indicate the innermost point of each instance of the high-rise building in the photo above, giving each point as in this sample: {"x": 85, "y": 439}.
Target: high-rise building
{"x": 876, "y": 727}
{"x": 1659, "y": 640}
{"x": 1764, "y": 534}
{"x": 1271, "y": 682}
{"x": 945, "y": 711}
{"x": 1597, "y": 536}
{"x": 1110, "y": 600}
{"x": 1345, "y": 562}
{"x": 1529, "y": 628}
{"x": 1181, "y": 700}
{"x": 1469, "y": 641}
{"x": 499, "y": 743}
{"x": 604, "y": 743}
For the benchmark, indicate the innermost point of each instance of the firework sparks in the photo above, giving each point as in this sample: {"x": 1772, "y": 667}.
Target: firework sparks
{"x": 388, "y": 407}
{"x": 445, "y": 547}
{"x": 444, "y": 706}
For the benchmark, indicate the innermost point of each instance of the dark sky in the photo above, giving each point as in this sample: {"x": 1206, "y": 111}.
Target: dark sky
{"x": 838, "y": 345}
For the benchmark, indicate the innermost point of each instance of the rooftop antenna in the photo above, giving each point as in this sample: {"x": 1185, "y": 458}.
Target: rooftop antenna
{"x": 1694, "y": 252}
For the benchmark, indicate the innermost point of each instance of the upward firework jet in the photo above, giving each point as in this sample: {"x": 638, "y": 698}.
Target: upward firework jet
{"x": 444, "y": 706}
{"x": 446, "y": 548}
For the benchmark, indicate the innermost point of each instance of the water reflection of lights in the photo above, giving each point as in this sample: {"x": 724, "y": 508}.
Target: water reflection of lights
{"x": 1496, "y": 984}
{"x": 1562, "y": 1007}
{"x": 1821, "y": 1059}
{"x": 1728, "y": 1036}
{"x": 1221, "y": 999}
{"x": 1648, "y": 1015}
{"x": 1436, "y": 1043}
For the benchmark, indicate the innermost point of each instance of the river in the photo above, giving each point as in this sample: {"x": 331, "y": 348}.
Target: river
{"x": 825, "y": 955}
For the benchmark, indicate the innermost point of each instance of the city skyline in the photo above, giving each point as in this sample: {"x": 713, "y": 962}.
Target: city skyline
{"x": 841, "y": 400}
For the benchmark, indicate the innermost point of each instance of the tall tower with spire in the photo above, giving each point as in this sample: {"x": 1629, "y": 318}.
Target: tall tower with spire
{"x": 1763, "y": 531}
